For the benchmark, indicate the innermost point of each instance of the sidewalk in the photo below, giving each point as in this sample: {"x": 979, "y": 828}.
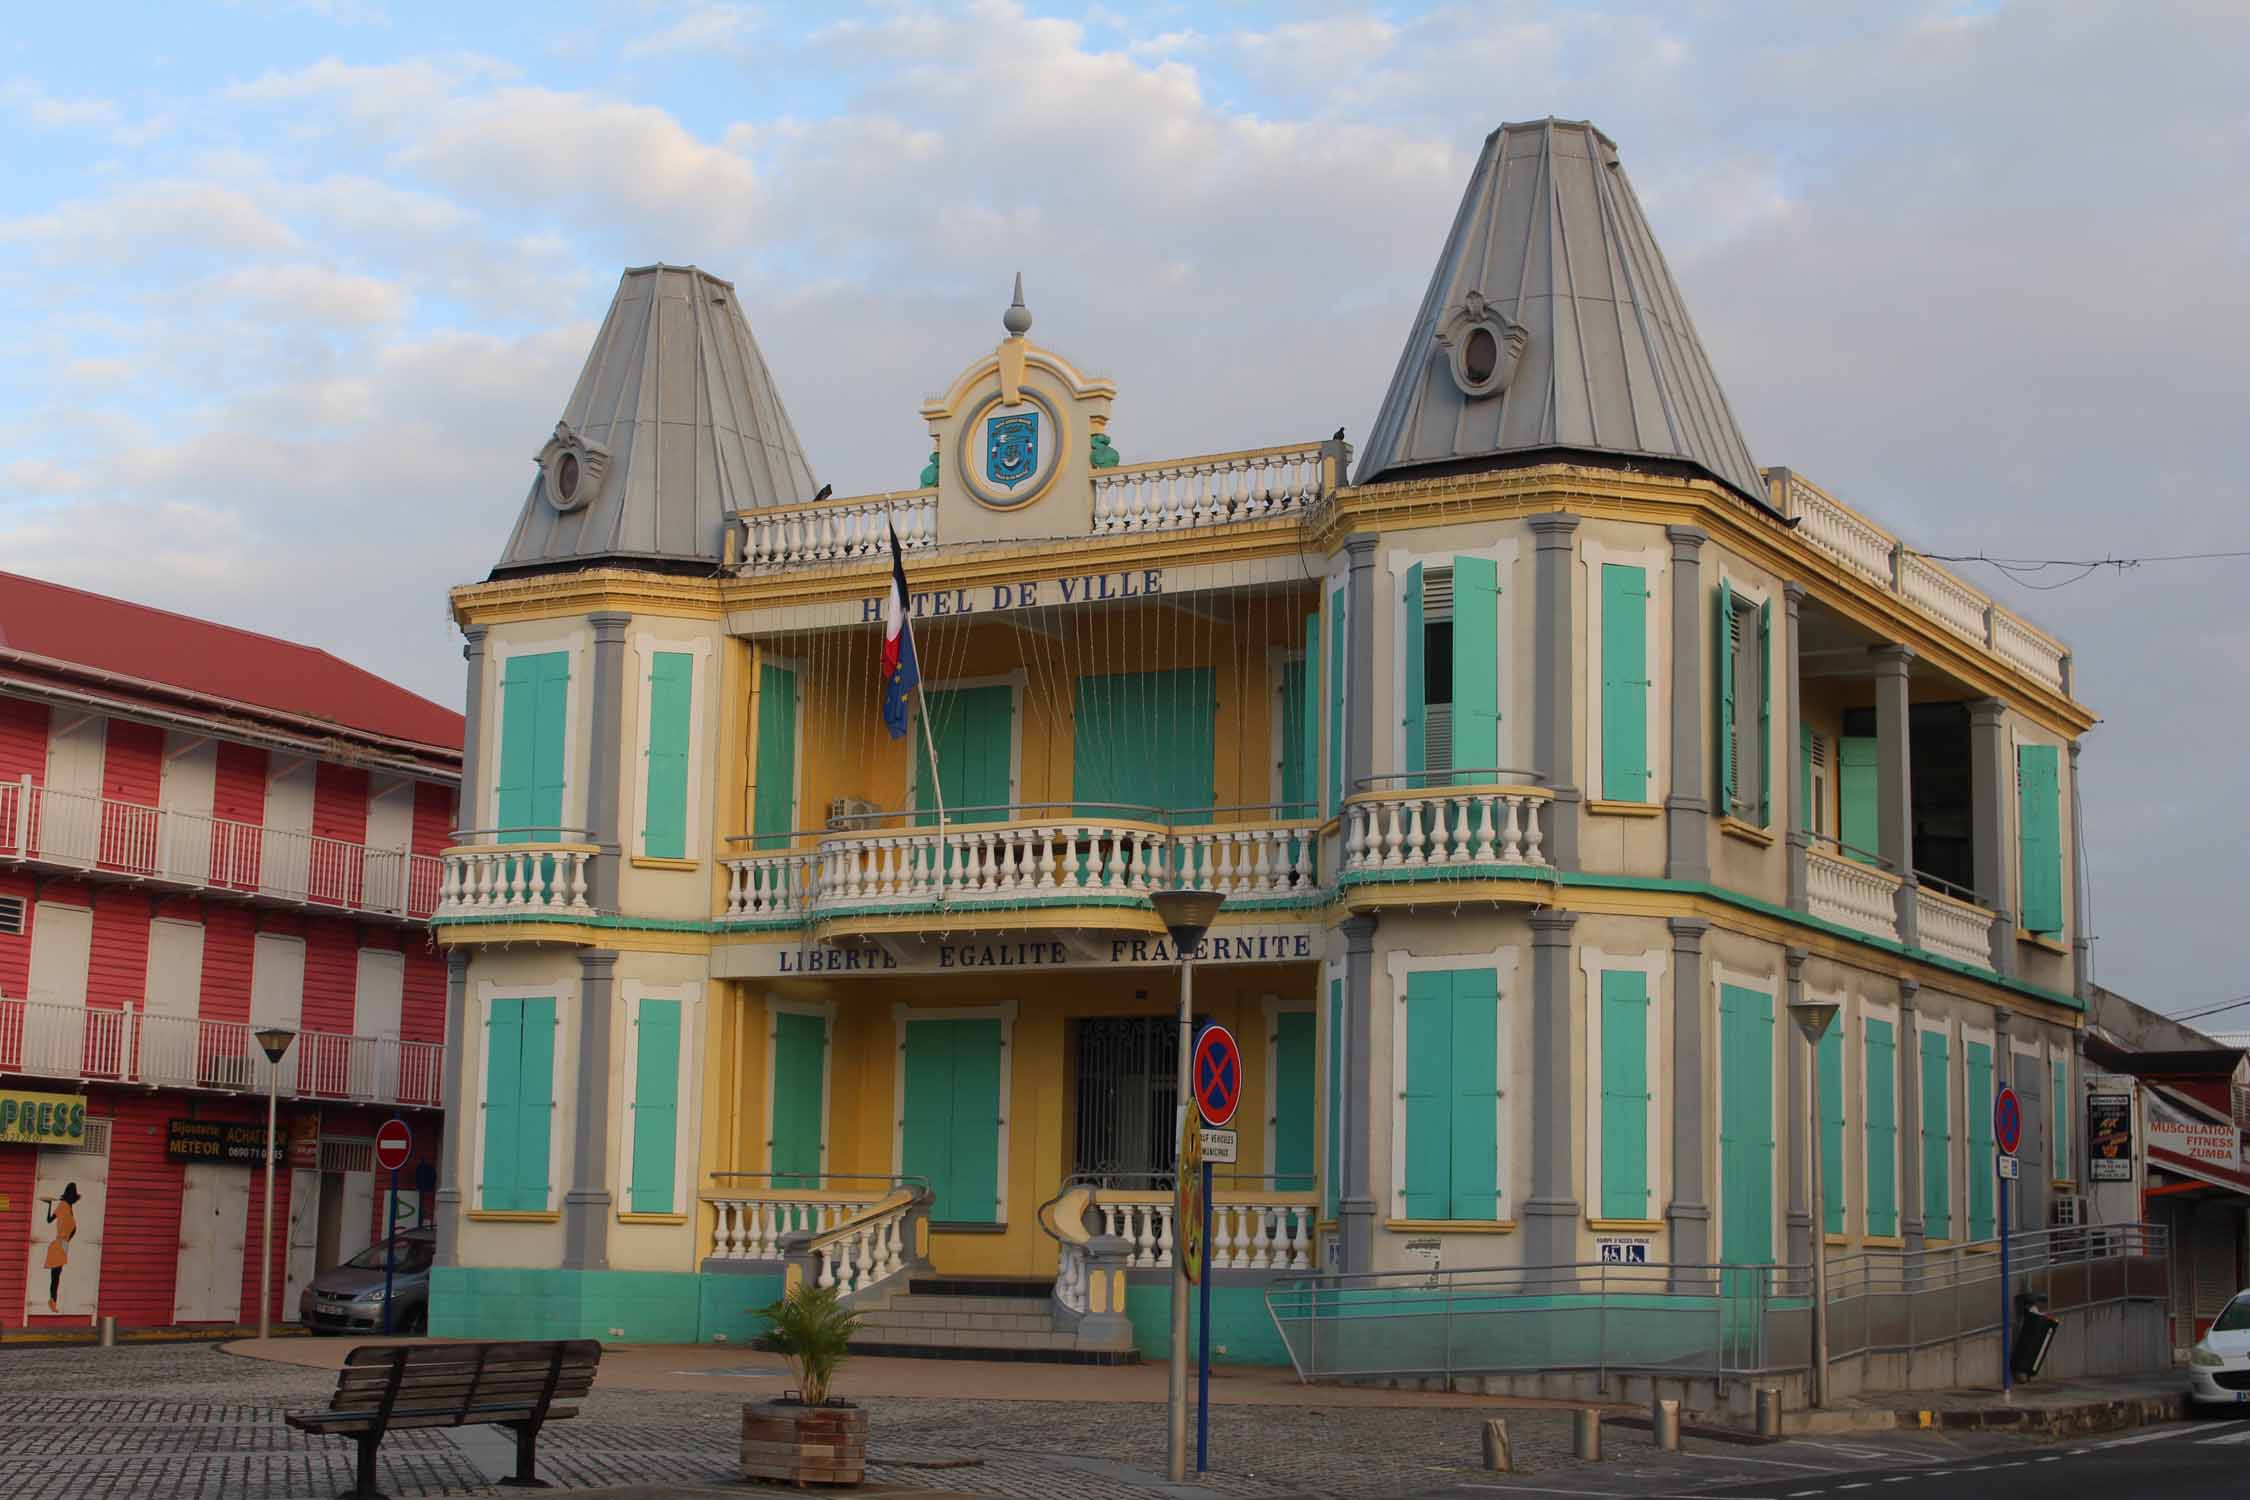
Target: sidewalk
{"x": 2056, "y": 1408}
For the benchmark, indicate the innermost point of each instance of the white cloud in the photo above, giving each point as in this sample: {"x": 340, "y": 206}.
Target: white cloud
{"x": 703, "y": 29}
{"x": 168, "y": 215}
{"x": 29, "y": 102}
{"x": 312, "y": 295}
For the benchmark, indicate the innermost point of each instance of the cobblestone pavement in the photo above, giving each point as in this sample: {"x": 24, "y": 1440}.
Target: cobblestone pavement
{"x": 191, "y": 1421}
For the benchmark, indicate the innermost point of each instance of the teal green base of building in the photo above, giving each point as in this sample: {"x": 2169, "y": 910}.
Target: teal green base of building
{"x": 626, "y": 1307}
{"x": 1241, "y": 1331}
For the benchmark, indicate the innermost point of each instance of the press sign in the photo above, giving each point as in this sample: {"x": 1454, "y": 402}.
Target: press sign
{"x": 37, "y": 1119}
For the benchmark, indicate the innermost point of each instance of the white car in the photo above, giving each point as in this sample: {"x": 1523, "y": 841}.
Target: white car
{"x": 2219, "y": 1367}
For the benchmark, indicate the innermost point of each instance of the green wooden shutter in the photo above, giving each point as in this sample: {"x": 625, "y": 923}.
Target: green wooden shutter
{"x": 1856, "y": 825}
{"x": 1310, "y": 750}
{"x": 975, "y": 1175}
{"x": 2039, "y": 837}
{"x": 1624, "y": 683}
{"x": 1473, "y": 1169}
{"x": 1428, "y": 1116}
{"x": 1413, "y": 696}
{"x": 503, "y": 1088}
{"x": 1335, "y": 1092}
{"x": 535, "y": 1105}
{"x": 1293, "y": 1085}
{"x": 1833, "y": 1186}
{"x": 1977, "y": 1106}
{"x": 656, "y": 1106}
{"x": 926, "y": 1136}
{"x": 671, "y": 678}
{"x": 1625, "y": 1095}
{"x": 1476, "y": 668}
{"x": 1296, "y": 782}
{"x": 1145, "y": 740}
{"x": 2065, "y": 1169}
{"x": 1746, "y": 1139}
{"x": 1765, "y": 714}
{"x": 975, "y": 733}
{"x": 1336, "y": 650}
{"x": 1937, "y": 1137}
{"x": 774, "y": 811}
{"x": 1804, "y": 776}
{"x": 1722, "y": 647}
{"x": 800, "y": 1055}
{"x": 1882, "y": 1128}
{"x": 534, "y": 725}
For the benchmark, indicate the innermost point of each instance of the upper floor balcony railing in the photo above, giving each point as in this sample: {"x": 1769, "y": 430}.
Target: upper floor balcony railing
{"x": 103, "y": 837}
{"x": 1214, "y": 489}
{"x": 1042, "y": 854}
{"x": 131, "y": 1045}
{"x": 1441, "y": 824}
{"x": 1866, "y": 549}
{"x": 1856, "y": 888}
{"x": 516, "y": 872}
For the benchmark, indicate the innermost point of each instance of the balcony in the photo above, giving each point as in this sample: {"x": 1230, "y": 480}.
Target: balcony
{"x": 1860, "y": 894}
{"x": 129, "y": 1045}
{"x": 1034, "y": 856}
{"x": 106, "y": 839}
{"x": 514, "y": 876}
{"x": 1403, "y": 828}
{"x": 1215, "y": 489}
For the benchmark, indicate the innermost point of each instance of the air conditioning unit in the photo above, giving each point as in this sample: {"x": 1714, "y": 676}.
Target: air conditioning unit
{"x": 2068, "y": 1211}
{"x": 847, "y": 811}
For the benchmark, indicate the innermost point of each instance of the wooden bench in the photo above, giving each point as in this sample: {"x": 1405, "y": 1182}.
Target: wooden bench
{"x": 384, "y": 1387}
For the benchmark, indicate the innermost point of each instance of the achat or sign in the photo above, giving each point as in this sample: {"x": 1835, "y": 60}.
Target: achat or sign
{"x": 1219, "y": 1147}
{"x": 35, "y": 1119}
{"x": 230, "y": 1142}
{"x": 2197, "y": 1137}
{"x": 2109, "y": 1137}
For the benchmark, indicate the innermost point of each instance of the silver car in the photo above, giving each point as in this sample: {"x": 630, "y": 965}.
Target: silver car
{"x": 349, "y": 1299}
{"x": 2219, "y": 1364}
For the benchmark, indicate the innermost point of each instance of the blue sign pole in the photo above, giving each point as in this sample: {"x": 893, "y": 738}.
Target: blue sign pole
{"x": 1203, "y": 1339}
{"x": 390, "y": 1248}
{"x": 2007, "y": 1376}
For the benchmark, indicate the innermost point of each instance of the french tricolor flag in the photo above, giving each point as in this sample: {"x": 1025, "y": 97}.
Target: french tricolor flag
{"x": 901, "y": 674}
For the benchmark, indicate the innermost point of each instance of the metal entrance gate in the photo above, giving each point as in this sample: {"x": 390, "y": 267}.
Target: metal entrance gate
{"x": 1128, "y": 1096}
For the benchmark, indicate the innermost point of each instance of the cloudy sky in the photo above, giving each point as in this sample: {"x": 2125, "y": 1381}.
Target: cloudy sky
{"x": 294, "y": 290}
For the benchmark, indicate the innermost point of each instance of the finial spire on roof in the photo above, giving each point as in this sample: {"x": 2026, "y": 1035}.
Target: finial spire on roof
{"x": 675, "y": 424}
{"x": 1552, "y": 322}
{"x": 1017, "y": 319}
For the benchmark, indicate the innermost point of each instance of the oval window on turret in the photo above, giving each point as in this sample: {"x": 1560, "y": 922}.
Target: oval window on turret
{"x": 566, "y": 477}
{"x": 1481, "y": 356}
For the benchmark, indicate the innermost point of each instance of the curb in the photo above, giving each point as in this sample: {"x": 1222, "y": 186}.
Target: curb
{"x": 88, "y": 1338}
{"x": 2076, "y": 1420}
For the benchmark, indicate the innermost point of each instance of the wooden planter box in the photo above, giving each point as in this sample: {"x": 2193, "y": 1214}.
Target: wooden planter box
{"x": 804, "y": 1444}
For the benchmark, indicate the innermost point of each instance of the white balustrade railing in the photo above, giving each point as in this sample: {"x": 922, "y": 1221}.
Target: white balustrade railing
{"x": 844, "y": 530}
{"x": 1953, "y": 929}
{"x": 1245, "y": 1236}
{"x": 1248, "y": 862}
{"x": 1841, "y": 532}
{"x": 484, "y": 880}
{"x": 199, "y": 852}
{"x": 861, "y": 1255}
{"x": 1208, "y": 491}
{"x": 129, "y": 1044}
{"x": 769, "y": 887}
{"x": 752, "y": 1226}
{"x": 2037, "y": 654}
{"x": 1943, "y": 595}
{"x": 1851, "y": 894}
{"x": 1444, "y": 828}
{"x": 1070, "y": 1277}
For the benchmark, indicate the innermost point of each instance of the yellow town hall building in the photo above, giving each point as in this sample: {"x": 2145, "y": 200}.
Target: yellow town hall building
{"x": 1545, "y": 747}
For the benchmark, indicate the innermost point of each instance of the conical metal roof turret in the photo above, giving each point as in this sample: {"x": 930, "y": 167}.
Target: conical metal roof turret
{"x": 674, "y": 425}
{"x": 1553, "y": 323}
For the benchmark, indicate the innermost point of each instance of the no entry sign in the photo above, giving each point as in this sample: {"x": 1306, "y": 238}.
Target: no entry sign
{"x": 1217, "y": 1074}
{"x": 392, "y": 1144}
{"x": 2007, "y": 1122}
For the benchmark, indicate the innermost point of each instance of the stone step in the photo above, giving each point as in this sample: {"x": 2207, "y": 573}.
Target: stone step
{"x": 907, "y": 1312}
{"x": 990, "y": 1338}
{"x": 984, "y": 1344}
{"x": 938, "y": 1302}
{"x": 1039, "y": 1288}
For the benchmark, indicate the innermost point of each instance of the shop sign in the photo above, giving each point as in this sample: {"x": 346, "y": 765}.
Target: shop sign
{"x": 304, "y": 1142}
{"x": 2109, "y": 1137}
{"x": 41, "y": 1119}
{"x": 228, "y": 1142}
{"x": 2213, "y": 1142}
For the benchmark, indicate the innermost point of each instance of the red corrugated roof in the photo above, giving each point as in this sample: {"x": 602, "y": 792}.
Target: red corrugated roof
{"x": 155, "y": 645}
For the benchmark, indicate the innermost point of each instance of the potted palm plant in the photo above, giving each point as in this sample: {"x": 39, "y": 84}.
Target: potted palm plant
{"x": 807, "y": 1436}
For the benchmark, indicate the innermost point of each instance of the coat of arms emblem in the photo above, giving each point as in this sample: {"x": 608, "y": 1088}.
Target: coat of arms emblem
{"x": 1011, "y": 451}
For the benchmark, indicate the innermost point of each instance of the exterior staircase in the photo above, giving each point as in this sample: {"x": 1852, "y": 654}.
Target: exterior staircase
{"x": 944, "y": 1317}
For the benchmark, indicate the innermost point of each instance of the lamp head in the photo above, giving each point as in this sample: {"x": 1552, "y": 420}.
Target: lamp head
{"x": 276, "y": 1040}
{"x": 1814, "y": 1017}
{"x": 1186, "y": 915}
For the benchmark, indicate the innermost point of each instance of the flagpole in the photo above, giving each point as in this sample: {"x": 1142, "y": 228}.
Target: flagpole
{"x": 937, "y": 784}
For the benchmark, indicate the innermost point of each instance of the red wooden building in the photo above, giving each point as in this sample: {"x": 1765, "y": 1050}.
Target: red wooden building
{"x": 204, "y": 831}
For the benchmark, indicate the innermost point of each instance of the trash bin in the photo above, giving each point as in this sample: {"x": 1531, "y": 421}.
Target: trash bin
{"x": 2035, "y": 1333}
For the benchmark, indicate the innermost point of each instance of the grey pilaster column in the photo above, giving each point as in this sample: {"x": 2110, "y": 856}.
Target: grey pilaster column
{"x": 1911, "y": 1225}
{"x": 1359, "y": 688}
{"x": 2004, "y": 1076}
{"x": 1551, "y": 1212}
{"x": 1799, "y": 837}
{"x": 1687, "y": 808}
{"x": 1989, "y": 785}
{"x": 1802, "y": 1142}
{"x": 1554, "y": 717}
{"x": 1894, "y": 773}
{"x": 467, "y": 812}
{"x": 1355, "y": 1195}
{"x": 460, "y": 1136}
{"x": 585, "y": 1212}
{"x": 2081, "y": 940}
{"x": 605, "y": 799}
{"x": 1689, "y": 1212}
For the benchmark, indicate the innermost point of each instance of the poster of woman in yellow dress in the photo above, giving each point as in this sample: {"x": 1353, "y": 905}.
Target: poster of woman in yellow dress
{"x": 62, "y": 1213}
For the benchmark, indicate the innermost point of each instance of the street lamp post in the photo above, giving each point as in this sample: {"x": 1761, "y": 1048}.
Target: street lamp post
{"x": 1813, "y": 1018}
{"x": 1186, "y": 915}
{"x": 275, "y": 1040}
